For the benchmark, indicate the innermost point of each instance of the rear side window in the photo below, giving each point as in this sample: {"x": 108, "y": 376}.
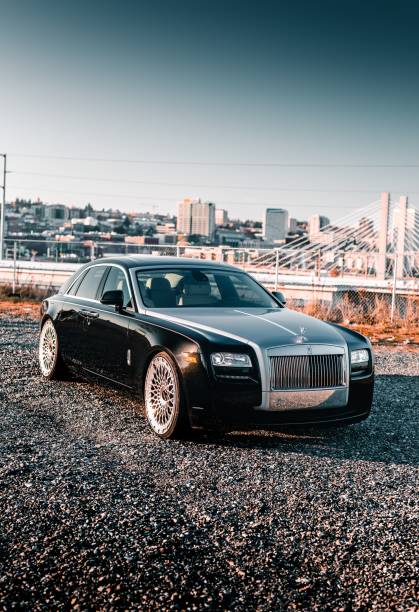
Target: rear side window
{"x": 90, "y": 283}
{"x": 116, "y": 281}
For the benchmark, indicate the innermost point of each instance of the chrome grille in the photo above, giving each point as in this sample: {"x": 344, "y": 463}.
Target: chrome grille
{"x": 306, "y": 371}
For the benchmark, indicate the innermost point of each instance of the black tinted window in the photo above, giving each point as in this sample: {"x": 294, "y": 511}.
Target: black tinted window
{"x": 177, "y": 288}
{"x": 74, "y": 286}
{"x": 116, "y": 281}
{"x": 90, "y": 283}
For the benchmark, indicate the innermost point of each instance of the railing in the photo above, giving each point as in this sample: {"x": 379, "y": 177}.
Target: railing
{"x": 286, "y": 260}
{"x": 47, "y": 264}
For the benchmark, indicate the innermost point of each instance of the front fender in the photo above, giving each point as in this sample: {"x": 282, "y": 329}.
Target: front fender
{"x": 49, "y": 309}
{"x": 147, "y": 339}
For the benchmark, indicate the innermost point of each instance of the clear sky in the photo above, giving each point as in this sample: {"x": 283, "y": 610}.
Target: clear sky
{"x": 231, "y": 82}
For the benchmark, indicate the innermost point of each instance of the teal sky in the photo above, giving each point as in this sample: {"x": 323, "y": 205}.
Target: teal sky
{"x": 216, "y": 83}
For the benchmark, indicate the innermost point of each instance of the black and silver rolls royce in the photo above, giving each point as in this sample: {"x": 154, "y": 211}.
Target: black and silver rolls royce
{"x": 205, "y": 345}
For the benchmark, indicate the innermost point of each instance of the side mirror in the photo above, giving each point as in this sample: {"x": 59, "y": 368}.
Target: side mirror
{"x": 113, "y": 298}
{"x": 280, "y": 297}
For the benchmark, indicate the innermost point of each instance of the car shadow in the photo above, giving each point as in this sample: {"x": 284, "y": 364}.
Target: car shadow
{"x": 389, "y": 435}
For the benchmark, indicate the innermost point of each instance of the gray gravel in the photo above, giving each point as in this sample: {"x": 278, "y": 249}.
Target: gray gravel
{"x": 98, "y": 513}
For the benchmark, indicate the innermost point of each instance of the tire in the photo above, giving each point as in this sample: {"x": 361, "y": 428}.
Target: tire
{"x": 50, "y": 361}
{"x": 163, "y": 402}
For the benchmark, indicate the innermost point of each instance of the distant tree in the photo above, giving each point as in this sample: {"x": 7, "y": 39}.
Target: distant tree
{"x": 195, "y": 239}
{"x": 124, "y": 226}
{"x": 88, "y": 210}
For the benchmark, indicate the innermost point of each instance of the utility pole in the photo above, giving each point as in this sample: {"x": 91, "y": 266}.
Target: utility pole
{"x": 3, "y": 207}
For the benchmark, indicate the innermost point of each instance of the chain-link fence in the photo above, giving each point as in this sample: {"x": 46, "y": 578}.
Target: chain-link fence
{"x": 43, "y": 265}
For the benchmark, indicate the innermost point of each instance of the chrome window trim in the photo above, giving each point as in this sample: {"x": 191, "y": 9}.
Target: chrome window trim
{"x": 107, "y": 265}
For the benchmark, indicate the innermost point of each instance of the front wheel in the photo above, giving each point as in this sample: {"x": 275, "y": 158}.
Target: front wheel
{"x": 50, "y": 361}
{"x": 164, "y": 406}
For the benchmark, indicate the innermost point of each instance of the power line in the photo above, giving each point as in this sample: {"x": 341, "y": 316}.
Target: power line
{"x": 173, "y": 200}
{"x": 217, "y": 163}
{"x": 204, "y": 185}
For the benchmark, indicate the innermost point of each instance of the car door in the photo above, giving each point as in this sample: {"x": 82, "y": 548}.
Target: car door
{"x": 108, "y": 331}
{"x": 78, "y": 310}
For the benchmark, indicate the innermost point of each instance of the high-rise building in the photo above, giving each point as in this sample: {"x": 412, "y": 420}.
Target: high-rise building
{"x": 221, "y": 216}
{"x": 293, "y": 225}
{"x": 316, "y": 223}
{"x": 275, "y": 226}
{"x": 184, "y": 216}
{"x": 56, "y": 214}
{"x": 196, "y": 217}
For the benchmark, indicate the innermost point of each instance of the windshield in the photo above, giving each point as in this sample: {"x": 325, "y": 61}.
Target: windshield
{"x": 194, "y": 287}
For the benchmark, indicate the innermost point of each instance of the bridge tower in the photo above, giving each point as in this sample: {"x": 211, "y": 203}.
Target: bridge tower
{"x": 399, "y": 231}
{"x": 383, "y": 234}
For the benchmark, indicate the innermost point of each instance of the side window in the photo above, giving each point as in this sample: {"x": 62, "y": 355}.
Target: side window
{"x": 75, "y": 286}
{"x": 116, "y": 281}
{"x": 90, "y": 283}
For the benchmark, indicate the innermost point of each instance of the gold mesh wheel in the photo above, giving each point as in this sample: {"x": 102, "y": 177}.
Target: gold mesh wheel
{"x": 48, "y": 349}
{"x": 161, "y": 395}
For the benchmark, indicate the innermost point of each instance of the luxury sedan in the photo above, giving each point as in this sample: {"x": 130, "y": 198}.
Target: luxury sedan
{"x": 205, "y": 345}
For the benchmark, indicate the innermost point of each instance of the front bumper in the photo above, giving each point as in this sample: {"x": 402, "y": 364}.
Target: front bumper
{"x": 235, "y": 412}
{"x": 248, "y": 405}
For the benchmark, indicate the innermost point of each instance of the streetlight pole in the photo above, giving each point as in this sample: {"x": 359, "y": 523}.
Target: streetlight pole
{"x": 3, "y": 208}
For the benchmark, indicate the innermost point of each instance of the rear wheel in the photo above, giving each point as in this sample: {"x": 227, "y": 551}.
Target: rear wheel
{"x": 50, "y": 361}
{"x": 164, "y": 406}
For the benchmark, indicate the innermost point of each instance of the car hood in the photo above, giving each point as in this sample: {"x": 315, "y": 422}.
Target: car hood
{"x": 261, "y": 326}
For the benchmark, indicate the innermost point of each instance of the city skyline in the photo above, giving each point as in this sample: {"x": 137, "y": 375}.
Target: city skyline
{"x": 154, "y": 210}
{"x": 358, "y": 242}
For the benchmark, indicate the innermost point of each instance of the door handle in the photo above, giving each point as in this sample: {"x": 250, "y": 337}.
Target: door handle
{"x": 89, "y": 314}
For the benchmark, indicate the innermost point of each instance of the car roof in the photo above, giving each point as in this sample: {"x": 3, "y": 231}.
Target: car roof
{"x": 158, "y": 261}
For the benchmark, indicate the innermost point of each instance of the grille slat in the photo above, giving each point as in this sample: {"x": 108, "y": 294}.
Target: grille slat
{"x": 306, "y": 371}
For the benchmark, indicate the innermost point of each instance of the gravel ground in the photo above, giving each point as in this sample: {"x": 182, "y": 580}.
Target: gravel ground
{"x": 98, "y": 513}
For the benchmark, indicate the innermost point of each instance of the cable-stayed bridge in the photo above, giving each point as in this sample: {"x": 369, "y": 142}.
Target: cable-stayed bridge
{"x": 378, "y": 241}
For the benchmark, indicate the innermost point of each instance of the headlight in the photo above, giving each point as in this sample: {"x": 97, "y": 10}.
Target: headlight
{"x": 234, "y": 360}
{"x": 360, "y": 359}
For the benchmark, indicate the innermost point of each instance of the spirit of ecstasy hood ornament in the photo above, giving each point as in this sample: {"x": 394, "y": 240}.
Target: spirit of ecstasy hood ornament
{"x": 301, "y": 338}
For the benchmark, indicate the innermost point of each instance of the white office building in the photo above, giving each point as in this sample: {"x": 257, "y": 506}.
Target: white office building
{"x": 221, "y": 216}
{"x": 196, "y": 217}
{"x": 275, "y": 225}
